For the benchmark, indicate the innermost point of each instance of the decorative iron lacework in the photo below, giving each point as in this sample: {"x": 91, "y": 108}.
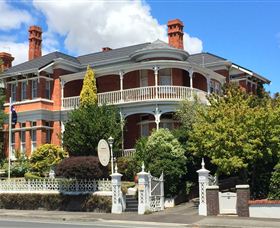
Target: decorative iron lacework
{"x": 66, "y": 186}
{"x": 156, "y": 194}
{"x": 202, "y": 193}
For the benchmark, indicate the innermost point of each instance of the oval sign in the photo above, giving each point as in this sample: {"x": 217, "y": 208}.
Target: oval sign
{"x": 103, "y": 152}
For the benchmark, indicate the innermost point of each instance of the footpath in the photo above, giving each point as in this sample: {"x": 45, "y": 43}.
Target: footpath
{"x": 184, "y": 215}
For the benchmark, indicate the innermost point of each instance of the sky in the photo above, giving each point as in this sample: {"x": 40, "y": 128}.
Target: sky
{"x": 246, "y": 32}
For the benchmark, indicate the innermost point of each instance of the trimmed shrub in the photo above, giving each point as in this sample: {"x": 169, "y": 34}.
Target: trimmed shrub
{"x": 55, "y": 202}
{"x": 45, "y": 158}
{"x": 32, "y": 176}
{"x": 83, "y": 167}
{"x": 274, "y": 188}
{"x": 97, "y": 204}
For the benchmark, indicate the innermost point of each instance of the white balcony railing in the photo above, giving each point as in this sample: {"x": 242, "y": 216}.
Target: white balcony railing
{"x": 140, "y": 94}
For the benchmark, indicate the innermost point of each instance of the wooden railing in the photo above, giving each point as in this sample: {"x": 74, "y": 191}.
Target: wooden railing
{"x": 140, "y": 94}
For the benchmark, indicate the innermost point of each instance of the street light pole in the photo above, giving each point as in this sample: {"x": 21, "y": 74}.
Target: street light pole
{"x": 111, "y": 141}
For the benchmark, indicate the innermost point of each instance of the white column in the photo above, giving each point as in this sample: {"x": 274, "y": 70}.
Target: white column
{"x": 156, "y": 69}
{"x": 143, "y": 191}
{"x": 208, "y": 84}
{"x": 203, "y": 179}
{"x": 121, "y": 84}
{"x": 116, "y": 192}
{"x": 191, "y": 81}
{"x": 157, "y": 117}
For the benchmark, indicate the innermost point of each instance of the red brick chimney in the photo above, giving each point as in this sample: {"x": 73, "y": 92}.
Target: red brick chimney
{"x": 175, "y": 33}
{"x": 35, "y": 42}
{"x": 106, "y": 49}
{"x": 7, "y": 60}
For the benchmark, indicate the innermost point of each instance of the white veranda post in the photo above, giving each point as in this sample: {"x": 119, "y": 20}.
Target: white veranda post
{"x": 203, "y": 179}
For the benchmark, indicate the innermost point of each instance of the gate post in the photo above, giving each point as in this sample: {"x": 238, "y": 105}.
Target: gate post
{"x": 116, "y": 192}
{"x": 203, "y": 179}
{"x": 243, "y": 196}
{"x": 143, "y": 191}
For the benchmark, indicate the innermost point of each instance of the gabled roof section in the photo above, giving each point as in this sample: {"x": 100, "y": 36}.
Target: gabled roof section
{"x": 40, "y": 62}
{"x": 205, "y": 58}
{"x": 118, "y": 53}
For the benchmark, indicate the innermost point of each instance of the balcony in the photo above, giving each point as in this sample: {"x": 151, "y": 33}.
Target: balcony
{"x": 151, "y": 93}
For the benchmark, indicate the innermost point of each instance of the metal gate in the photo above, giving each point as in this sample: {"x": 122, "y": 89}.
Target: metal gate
{"x": 156, "y": 193}
{"x": 227, "y": 202}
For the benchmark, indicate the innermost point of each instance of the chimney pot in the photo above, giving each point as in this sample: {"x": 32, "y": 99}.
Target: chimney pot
{"x": 106, "y": 49}
{"x": 35, "y": 42}
{"x": 7, "y": 61}
{"x": 175, "y": 33}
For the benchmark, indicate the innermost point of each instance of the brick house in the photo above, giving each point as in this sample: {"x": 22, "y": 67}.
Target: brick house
{"x": 146, "y": 81}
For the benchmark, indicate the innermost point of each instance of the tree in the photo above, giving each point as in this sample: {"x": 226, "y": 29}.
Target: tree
{"x": 45, "y": 158}
{"x": 2, "y": 113}
{"x": 274, "y": 189}
{"x": 237, "y": 132}
{"x": 87, "y": 125}
{"x": 88, "y": 94}
{"x": 162, "y": 152}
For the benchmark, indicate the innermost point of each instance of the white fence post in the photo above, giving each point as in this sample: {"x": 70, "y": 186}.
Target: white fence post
{"x": 203, "y": 179}
{"x": 116, "y": 192}
{"x": 143, "y": 191}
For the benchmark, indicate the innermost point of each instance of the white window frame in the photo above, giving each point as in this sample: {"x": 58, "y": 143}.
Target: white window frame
{"x": 34, "y": 89}
{"x": 48, "y": 89}
{"x": 162, "y": 74}
{"x": 144, "y": 78}
{"x": 13, "y": 92}
{"x": 23, "y": 90}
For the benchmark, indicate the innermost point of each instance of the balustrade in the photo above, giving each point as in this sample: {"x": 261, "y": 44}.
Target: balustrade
{"x": 140, "y": 94}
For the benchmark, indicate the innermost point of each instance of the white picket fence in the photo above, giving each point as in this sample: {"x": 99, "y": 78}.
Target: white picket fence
{"x": 65, "y": 186}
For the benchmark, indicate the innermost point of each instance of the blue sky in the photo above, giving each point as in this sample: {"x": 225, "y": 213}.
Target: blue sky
{"x": 244, "y": 32}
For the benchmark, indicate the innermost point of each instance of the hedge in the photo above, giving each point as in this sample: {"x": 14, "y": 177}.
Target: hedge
{"x": 83, "y": 167}
{"x": 32, "y": 201}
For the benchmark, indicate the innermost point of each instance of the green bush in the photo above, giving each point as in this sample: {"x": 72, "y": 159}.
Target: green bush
{"x": 18, "y": 167}
{"x": 87, "y": 125}
{"x": 97, "y": 204}
{"x": 127, "y": 167}
{"x": 162, "y": 152}
{"x": 55, "y": 202}
{"x": 274, "y": 188}
{"x": 32, "y": 176}
{"x": 83, "y": 167}
{"x": 45, "y": 158}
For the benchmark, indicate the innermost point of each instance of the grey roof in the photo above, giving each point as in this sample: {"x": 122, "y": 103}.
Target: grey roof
{"x": 158, "y": 44}
{"x": 205, "y": 58}
{"x": 112, "y": 54}
{"x": 40, "y": 62}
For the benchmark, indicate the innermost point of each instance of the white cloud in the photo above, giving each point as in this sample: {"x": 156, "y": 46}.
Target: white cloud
{"x": 12, "y": 18}
{"x": 88, "y": 26}
{"x": 18, "y": 50}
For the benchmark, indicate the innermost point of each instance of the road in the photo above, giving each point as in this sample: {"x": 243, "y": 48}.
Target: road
{"x": 18, "y": 223}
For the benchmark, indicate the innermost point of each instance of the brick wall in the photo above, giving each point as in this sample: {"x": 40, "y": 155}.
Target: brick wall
{"x": 199, "y": 82}
{"x": 73, "y": 88}
{"x": 108, "y": 83}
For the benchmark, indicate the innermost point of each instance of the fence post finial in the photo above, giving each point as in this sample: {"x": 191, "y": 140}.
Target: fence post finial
{"x": 143, "y": 167}
{"x": 202, "y": 164}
